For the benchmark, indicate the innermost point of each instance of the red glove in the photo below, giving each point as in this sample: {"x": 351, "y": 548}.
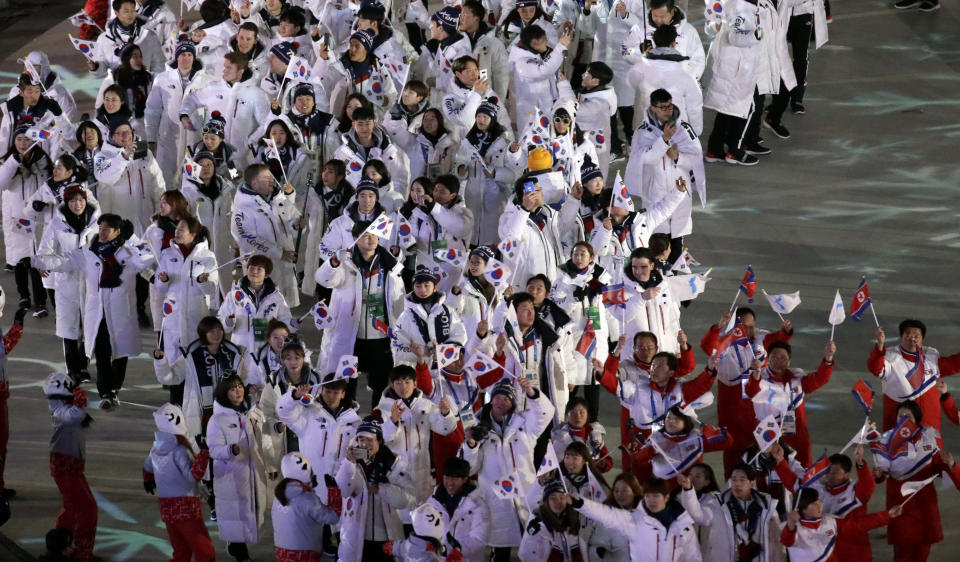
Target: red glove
{"x": 430, "y": 547}
{"x": 79, "y": 398}
{"x": 199, "y": 466}
{"x": 388, "y": 548}
{"x": 454, "y": 556}
{"x": 335, "y": 499}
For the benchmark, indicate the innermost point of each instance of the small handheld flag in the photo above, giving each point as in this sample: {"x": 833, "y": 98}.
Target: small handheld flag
{"x": 588, "y": 341}
{"x": 837, "y": 315}
{"x": 38, "y": 134}
{"x": 621, "y": 197}
{"x": 347, "y": 368}
{"x": 380, "y": 326}
{"x": 767, "y": 432}
{"x": 191, "y": 169}
{"x": 298, "y": 70}
{"x": 816, "y": 471}
{"x": 736, "y": 336}
{"x": 480, "y": 364}
{"x": 85, "y": 47}
{"x": 273, "y": 153}
{"x": 82, "y": 18}
{"x": 454, "y": 257}
{"x": 405, "y": 237}
{"x": 508, "y": 487}
{"x": 861, "y": 300}
{"x": 686, "y": 287}
{"x": 748, "y": 285}
{"x": 863, "y": 394}
{"x": 510, "y": 248}
{"x": 550, "y": 461}
{"x": 614, "y": 294}
{"x": 684, "y": 262}
{"x": 381, "y": 227}
{"x": 321, "y": 315}
{"x": 498, "y": 274}
{"x": 783, "y": 304}
{"x": 447, "y": 353}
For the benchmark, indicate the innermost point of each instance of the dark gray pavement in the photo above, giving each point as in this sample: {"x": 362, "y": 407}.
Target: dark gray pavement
{"x": 867, "y": 185}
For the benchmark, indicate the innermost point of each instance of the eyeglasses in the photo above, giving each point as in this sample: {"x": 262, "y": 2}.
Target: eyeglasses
{"x": 562, "y": 119}
{"x": 663, "y": 106}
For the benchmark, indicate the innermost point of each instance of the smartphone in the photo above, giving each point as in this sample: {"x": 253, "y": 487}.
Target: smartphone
{"x": 483, "y": 73}
{"x": 360, "y": 453}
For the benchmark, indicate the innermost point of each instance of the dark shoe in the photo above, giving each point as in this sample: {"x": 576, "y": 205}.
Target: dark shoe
{"x": 106, "y": 404}
{"x": 24, "y": 304}
{"x": 213, "y": 514}
{"x": 9, "y": 268}
{"x": 929, "y": 6}
{"x": 798, "y": 109}
{"x": 8, "y": 493}
{"x": 743, "y": 159}
{"x": 114, "y": 403}
{"x": 84, "y": 376}
{"x": 906, "y": 4}
{"x": 757, "y": 150}
{"x": 40, "y": 312}
{"x": 711, "y": 157}
{"x": 777, "y": 128}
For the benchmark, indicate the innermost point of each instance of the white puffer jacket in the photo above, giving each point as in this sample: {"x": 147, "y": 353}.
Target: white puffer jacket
{"x": 734, "y": 62}
{"x": 469, "y": 524}
{"x": 129, "y": 188}
{"x": 186, "y": 300}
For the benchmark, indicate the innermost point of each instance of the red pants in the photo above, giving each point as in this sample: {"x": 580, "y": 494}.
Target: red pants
{"x": 79, "y": 510}
{"x": 190, "y": 537}
{"x": 911, "y": 552}
{"x": 284, "y": 555}
{"x": 4, "y": 428}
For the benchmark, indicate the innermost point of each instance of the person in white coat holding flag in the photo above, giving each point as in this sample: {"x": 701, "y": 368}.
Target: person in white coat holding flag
{"x": 211, "y": 195}
{"x": 650, "y": 306}
{"x": 501, "y": 447}
{"x": 263, "y": 217}
{"x": 251, "y": 303}
{"x": 666, "y": 150}
{"x": 464, "y": 512}
{"x": 167, "y": 132}
{"x": 366, "y": 298}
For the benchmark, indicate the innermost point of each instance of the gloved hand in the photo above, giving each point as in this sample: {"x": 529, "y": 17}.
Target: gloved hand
{"x": 334, "y": 495}
{"x": 38, "y": 206}
{"x": 479, "y": 432}
{"x": 126, "y": 229}
{"x": 388, "y": 548}
{"x": 453, "y": 542}
{"x": 150, "y": 487}
{"x": 454, "y": 556}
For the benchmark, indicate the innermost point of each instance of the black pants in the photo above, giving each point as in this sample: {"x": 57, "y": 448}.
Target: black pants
{"x": 374, "y": 359}
{"x": 238, "y": 550}
{"x": 778, "y": 105}
{"x": 74, "y": 356}
{"x": 27, "y": 278}
{"x": 727, "y": 134}
{"x": 625, "y": 114}
{"x": 752, "y": 137}
{"x": 591, "y": 393}
{"x": 373, "y": 552}
{"x": 798, "y": 35}
{"x": 110, "y": 371}
{"x": 143, "y": 294}
{"x": 176, "y": 394}
{"x": 501, "y": 554}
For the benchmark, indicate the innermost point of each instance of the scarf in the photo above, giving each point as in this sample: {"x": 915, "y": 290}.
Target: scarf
{"x": 745, "y": 523}
{"x": 379, "y": 466}
{"x": 116, "y": 32}
{"x": 400, "y": 112}
{"x": 111, "y": 270}
{"x": 334, "y": 199}
{"x": 135, "y": 84}
{"x": 482, "y": 30}
{"x": 482, "y": 140}
{"x": 212, "y": 189}
{"x": 434, "y": 45}
{"x": 77, "y": 222}
{"x": 168, "y": 226}
{"x": 358, "y": 71}
{"x": 122, "y": 115}
{"x": 578, "y": 480}
{"x": 449, "y": 502}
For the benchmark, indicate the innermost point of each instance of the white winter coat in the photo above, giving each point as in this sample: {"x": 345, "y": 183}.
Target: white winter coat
{"x": 324, "y": 436}
{"x": 656, "y": 71}
{"x": 59, "y": 239}
{"x": 239, "y": 309}
{"x": 345, "y": 305}
{"x": 469, "y": 525}
{"x": 410, "y": 439}
{"x": 190, "y": 299}
{"x": 721, "y": 544}
{"x": 129, "y": 188}
{"x": 649, "y": 540}
{"x": 116, "y": 305}
{"x": 183, "y": 370}
{"x": 460, "y": 104}
{"x": 263, "y": 226}
{"x": 775, "y": 64}
{"x": 215, "y": 215}
{"x": 407, "y": 332}
{"x": 613, "y": 253}
{"x": 494, "y": 457}
{"x": 357, "y": 502}
{"x": 243, "y": 105}
{"x": 486, "y": 197}
{"x": 162, "y": 120}
{"x": 106, "y": 51}
{"x": 21, "y": 230}
{"x": 734, "y": 62}
{"x": 580, "y": 368}
{"x": 534, "y": 80}
{"x": 238, "y": 482}
{"x": 354, "y": 156}
{"x": 541, "y": 251}
{"x": 659, "y": 315}
{"x": 688, "y": 41}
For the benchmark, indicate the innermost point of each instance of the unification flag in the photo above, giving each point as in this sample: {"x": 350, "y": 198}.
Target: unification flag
{"x": 837, "y": 315}
{"x": 785, "y": 303}
{"x": 686, "y": 287}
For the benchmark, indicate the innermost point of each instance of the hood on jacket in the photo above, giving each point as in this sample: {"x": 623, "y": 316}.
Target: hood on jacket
{"x": 164, "y": 443}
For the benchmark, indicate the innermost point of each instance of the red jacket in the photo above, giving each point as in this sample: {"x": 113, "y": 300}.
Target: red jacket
{"x": 800, "y": 441}
{"x": 920, "y": 522}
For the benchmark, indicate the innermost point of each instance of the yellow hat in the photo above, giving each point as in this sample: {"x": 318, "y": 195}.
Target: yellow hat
{"x": 539, "y": 159}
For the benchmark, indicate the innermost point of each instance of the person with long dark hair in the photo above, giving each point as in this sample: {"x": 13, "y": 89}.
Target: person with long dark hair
{"x": 25, "y": 168}
{"x": 210, "y": 195}
{"x": 159, "y": 235}
{"x": 113, "y": 110}
{"x": 626, "y": 494}
{"x": 134, "y": 82}
{"x": 73, "y": 227}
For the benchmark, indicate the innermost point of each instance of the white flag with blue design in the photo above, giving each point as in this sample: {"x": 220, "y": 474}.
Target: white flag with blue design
{"x": 783, "y": 304}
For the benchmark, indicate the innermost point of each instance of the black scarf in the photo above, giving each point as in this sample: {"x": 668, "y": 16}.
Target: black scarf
{"x": 111, "y": 270}
{"x": 593, "y": 287}
{"x": 168, "y": 226}
{"x": 359, "y": 71}
{"x": 668, "y": 514}
{"x": 483, "y": 140}
{"x": 212, "y": 189}
{"x": 256, "y": 296}
{"x": 334, "y": 199}
{"x": 75, "y": 221}
{"x": 442, "y": 323}
{"x": 399, "y": 112}
{"x": 211, "y": 367}
{"x": 122, "y": 115}
{"x": 434, "y": 45}
{"x": 655, "y": 278}
{"x": 449, "y": 502}
{"x": 377, "y": 468}
{"x": 482, "y": 30}
{"x": 116, "y": 31}
{"x": 749, "y": 519}
{"x": 551, "y": 313}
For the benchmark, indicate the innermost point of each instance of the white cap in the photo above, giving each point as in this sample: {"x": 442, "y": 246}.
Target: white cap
{"x": 169, "y": 419}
